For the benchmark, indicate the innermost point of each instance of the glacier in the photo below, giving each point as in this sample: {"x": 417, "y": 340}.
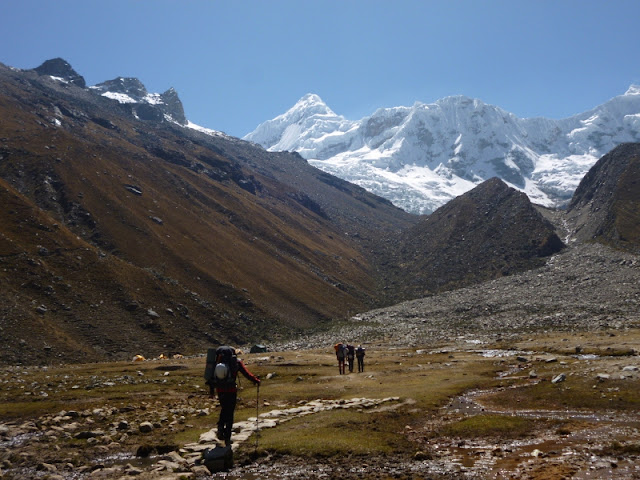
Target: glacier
{"x": 422, "y": 156}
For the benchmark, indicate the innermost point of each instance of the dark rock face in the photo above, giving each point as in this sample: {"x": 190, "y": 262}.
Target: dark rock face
{"x": 141, "y": 104}
{"x": 489, "y": 232}
{"x": 58, "y": 67}
{"x": 173, "y": 106}
{"x": 129, "y": 86}
{"x": 606, "y": 204}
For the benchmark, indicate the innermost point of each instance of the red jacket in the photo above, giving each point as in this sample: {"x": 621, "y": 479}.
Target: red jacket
{"x": 234, "y": 388}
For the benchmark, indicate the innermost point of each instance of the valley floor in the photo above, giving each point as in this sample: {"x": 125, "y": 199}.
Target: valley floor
{"x": 535, "y": 410}
{"x": 535, "y": 376}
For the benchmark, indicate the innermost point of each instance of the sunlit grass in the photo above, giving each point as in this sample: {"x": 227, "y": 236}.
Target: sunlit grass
{"x": 336, "y": 432}
{"x": 504, "y": 426}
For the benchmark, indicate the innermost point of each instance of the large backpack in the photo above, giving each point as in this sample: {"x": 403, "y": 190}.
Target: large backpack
{"x": 222, "y": 367}
{"x": 340, "y": 351}
{"x": 351, "y": 350}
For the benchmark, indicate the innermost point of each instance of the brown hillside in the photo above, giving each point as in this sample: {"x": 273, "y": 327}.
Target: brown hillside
{"x": 260, "y": 242}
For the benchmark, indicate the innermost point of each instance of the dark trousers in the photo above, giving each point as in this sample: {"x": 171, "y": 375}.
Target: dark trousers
{"x": 360, "y": 364}
{"x": 341, "y": 366}
{"x": 350, "y": 362}
{"x": 227, "y": 408}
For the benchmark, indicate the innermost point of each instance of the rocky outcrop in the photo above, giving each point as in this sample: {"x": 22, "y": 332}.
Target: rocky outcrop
{"x": 142, "y": 105}
{"x": 60, "y": 68}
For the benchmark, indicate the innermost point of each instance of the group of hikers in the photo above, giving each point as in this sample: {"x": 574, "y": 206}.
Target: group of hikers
{"x": 222, "y": 370}
{"x": 346, "y": 352}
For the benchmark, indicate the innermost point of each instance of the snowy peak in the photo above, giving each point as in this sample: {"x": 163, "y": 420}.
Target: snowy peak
{"x": 298, "y": 127}
{"x": 310, "y": 104}
{"x": 422, "y": 156}
{"x": 633, "y": 90}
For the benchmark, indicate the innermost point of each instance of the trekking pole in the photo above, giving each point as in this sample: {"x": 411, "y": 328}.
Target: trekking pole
{"x": 257, "y": 414}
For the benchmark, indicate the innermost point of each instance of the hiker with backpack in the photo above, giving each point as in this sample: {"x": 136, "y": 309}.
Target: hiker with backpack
{"x": 351, "y": 353}
{"x": 221, "y": 373}
{"x": 341, "y": 354}
{"x": 360, "y": 357}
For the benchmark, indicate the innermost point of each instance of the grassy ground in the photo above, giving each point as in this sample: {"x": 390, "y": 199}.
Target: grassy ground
{"x": 171, "y": 395}
{"x": 422, "y": 381}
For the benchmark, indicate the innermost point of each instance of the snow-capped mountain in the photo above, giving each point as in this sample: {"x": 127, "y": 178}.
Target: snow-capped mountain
{"x": 421, "y": 157}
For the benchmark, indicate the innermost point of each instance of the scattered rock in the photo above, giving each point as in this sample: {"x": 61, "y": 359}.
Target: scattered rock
{"x": 145, "y": 427}
{"x": 134, "y": 189}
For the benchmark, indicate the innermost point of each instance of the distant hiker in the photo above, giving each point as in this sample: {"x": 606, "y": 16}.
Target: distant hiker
{"x": 221, "y": 372}
{"x": 351, "y": 353}
{"x": 360, "y": 357}
{"x": 341, "y": 353}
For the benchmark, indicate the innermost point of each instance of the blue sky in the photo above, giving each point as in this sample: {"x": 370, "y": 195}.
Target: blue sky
{"x": 238, "y": 63}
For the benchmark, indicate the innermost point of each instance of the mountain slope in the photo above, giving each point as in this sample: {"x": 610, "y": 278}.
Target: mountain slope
{"x": 488, "y": 232}
{"x": 606, "y": 205}
{"x": 205, "y": 230}
{"x": 126, "y": 233}
{"x": 420, "y": 157}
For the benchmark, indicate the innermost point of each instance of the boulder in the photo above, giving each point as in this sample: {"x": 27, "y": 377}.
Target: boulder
{"x": 146, "y": 427}
{"x": 218, "y": 459}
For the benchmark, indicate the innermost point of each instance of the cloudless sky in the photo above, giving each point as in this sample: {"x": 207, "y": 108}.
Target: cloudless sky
{"x": 237, "y": 63}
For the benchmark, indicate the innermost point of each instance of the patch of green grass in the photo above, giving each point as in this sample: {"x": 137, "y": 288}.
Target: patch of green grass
{"x": 489, "y": 426}
{"x": 28, "y": 409}
{"x": 575, "y": 392}
{"x": 335, "y": 433}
